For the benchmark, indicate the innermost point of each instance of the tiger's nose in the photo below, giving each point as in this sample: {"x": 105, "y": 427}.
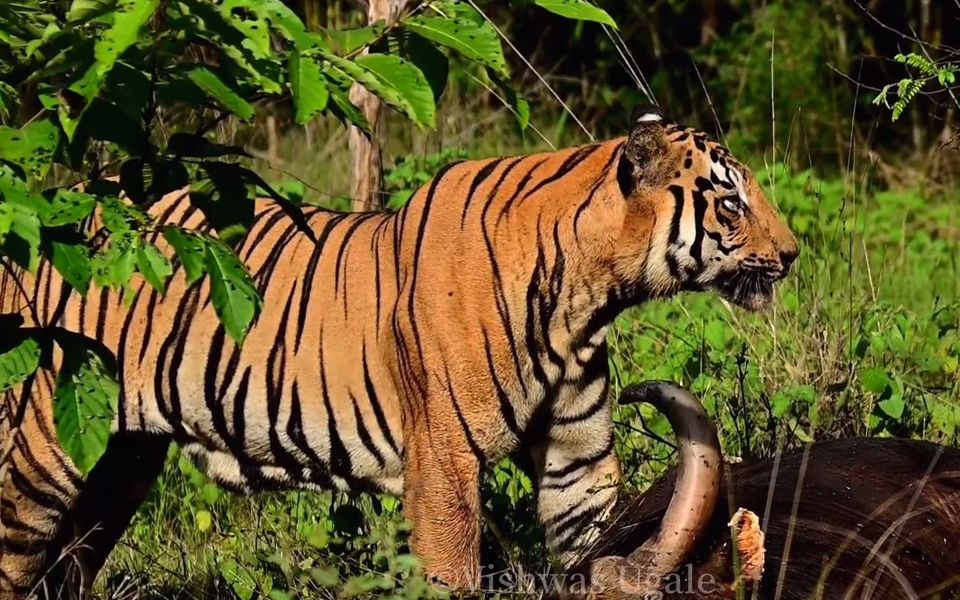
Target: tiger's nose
{"x": 787, "y": 257}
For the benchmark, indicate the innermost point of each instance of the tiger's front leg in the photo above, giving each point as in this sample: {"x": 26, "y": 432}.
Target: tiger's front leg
{"x": 442, "y": 501}
{"x": 579, "y": 473}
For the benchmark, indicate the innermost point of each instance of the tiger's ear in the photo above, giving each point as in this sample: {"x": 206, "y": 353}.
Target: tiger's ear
{"x": 643, "y": 149}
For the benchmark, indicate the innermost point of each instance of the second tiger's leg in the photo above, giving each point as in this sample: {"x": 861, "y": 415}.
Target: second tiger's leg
{"x": 579, "y": 473}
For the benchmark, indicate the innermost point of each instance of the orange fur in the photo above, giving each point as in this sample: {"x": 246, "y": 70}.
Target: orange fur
{"x": 403, "y": 352}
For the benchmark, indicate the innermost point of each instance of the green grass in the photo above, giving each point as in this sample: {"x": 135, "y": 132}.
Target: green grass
{"x": 863, "y": 341}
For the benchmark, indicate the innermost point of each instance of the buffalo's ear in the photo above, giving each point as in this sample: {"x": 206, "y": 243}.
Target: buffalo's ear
{"x": 644, "y": 148}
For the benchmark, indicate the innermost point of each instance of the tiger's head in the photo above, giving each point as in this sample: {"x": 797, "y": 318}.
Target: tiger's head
{"x": 706, "y": 221}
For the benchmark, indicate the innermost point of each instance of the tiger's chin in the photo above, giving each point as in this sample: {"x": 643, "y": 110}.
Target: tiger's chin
{"x": 747, "y": 289}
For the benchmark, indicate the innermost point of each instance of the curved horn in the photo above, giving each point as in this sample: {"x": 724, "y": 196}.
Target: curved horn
{"x": 691, "y": 506}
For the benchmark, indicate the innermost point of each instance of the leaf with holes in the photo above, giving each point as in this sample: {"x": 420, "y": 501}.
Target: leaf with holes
{"x": 31, "y": 147}
{"x": 191, "y": 251}
{"x": 20, "y": 234}
{"x": 67, "y": 207}
{"x": 72, "y": 261}
{"x": 476, "y": 42}
{"x": 19, "y": 359}
{"x": 154, "y": 266}
{"x": 128, "y": 17}
{"x": 85, "y": 402}
{"x": 581, "y": 10}
{"x": 235, "y": 298}
{"x": 115, "y": 266}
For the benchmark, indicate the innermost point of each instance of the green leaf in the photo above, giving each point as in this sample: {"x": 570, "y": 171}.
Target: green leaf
{"x": 308, "y": 85}
{"x": 31, "y": 147}
{"x": 67, "y": 207}
{"x": 18, "y": 360}
{"x": 875, "y": 380}
{"x": 191, "y": 251}
{"x": 428, "y": 58}
{"x": 72, "y": 261}
{"x": 154, "y": 266}
{"x": 204, "y": 520}
{"x": 115, "y": 266}
{"x": 206, "y": 80}
{"x": 346, "y": 110}
{"x": 477, "y": 42}
{"x": 781, "y": 404}
{"x": 893, "y": 406}
{"x": 581, "y": 10}
{"x": 85, "y": 10}
{"x": 9, "y": 99}
{"x": 234, "y": 296}
{"x": 20, "y": 234}
{"x": 397, "y": 82}
{"x": 348, "y": 41}
{"x": 240, "y": 580}
{"x": 129, "y": 17}
{"x": 85, "y": 402}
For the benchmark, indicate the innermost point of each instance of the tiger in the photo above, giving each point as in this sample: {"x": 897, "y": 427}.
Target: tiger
{"x": 398, "y": 352}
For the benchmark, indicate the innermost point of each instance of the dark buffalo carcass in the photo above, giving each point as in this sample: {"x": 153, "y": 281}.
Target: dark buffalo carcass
{"x": 845, "y": 519}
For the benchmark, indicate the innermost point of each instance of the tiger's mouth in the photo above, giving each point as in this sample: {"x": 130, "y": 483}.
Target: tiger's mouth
{"x": 748, "y": 288}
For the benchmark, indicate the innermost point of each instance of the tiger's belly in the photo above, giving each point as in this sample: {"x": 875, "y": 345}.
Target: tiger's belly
{"x": 248, "y": 475}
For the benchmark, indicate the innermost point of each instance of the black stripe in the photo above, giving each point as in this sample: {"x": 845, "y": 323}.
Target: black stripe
{"x": 147, "y": 332}
{"x": 264, "y": 274}
{"x": 482, "y": 174}
{"x": 375, "y": 402}
{"x": 318, "y": 466}
{"x": 275, "y": 385}
{"x": 342, "y": 253}
{"x": 364, "y": 434}
{"x": 566, "y": 167}
{"x": 418, "y": 247}
{"x": 307, "y": 288}
{"x": 340, "y": 463}
{"x": 678, "y": 200}
{"x": 175, "y": 341}
{"x": 239, "y": 411}
{"x": 587, "y": 413}
{"x": 267, "y": 220}
{"x": 19, "y": 589}
{"x": 34, "y": 494}
{"x": 503, "y": 310}
{"x": 474, "y": 446}
{"x": 211, "y": 397}
{"x": 580, "y": 463}
{"x": 26, "y": 453}
{"x": 575, "y": 524}
{"x": 596, "y": 187}
{"x": 699, "y": 211}
{"x": 506, "y": 408}
{"x": 121, "y": 356}
{"x": 517, "y": 191}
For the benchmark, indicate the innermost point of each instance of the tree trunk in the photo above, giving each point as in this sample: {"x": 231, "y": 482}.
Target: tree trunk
{"x": 367, "y": 185}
